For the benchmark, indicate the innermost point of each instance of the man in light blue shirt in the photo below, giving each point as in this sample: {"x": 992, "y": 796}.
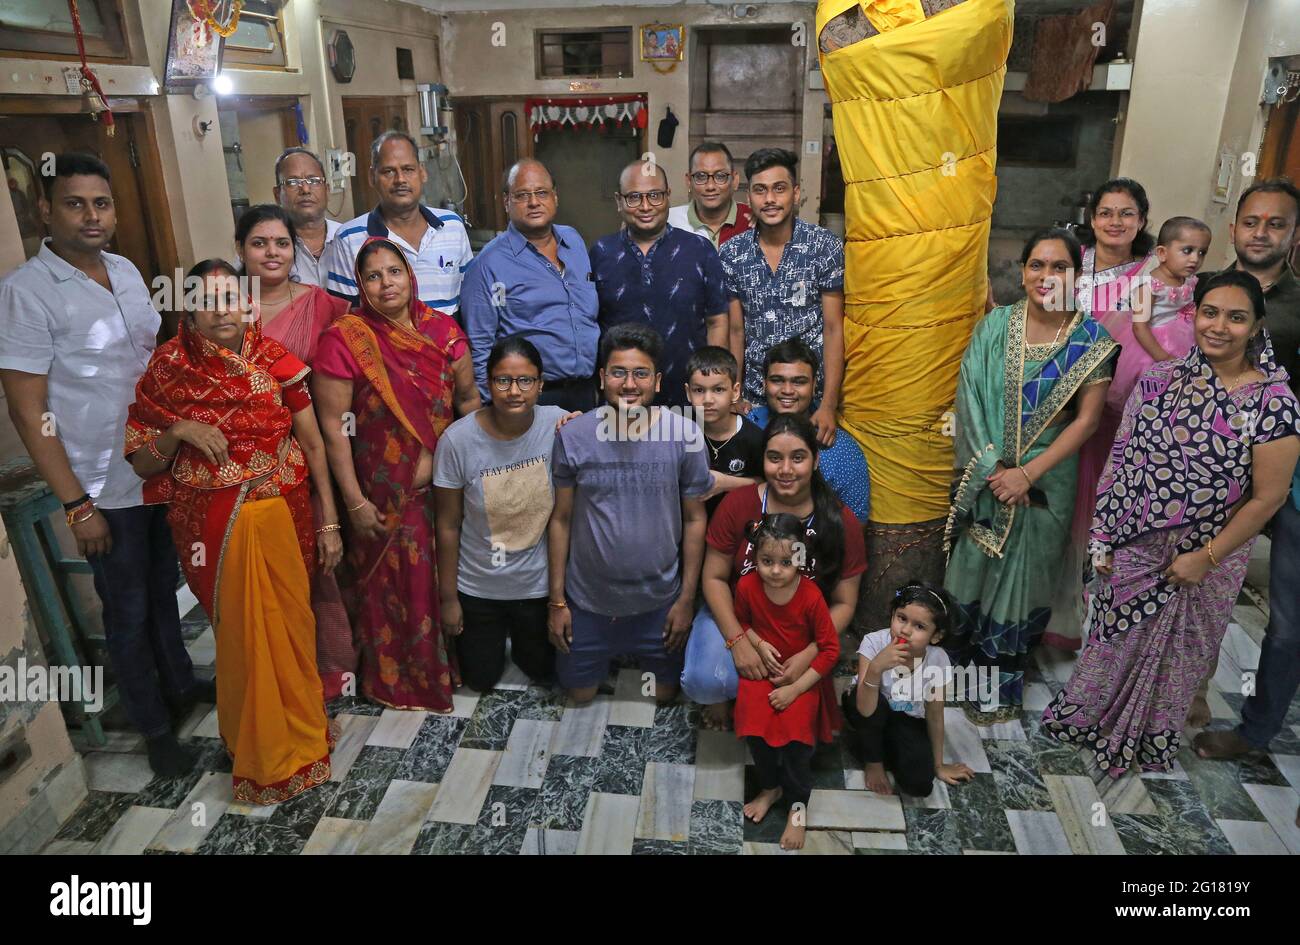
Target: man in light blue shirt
{"x": 534, "y": 280}
{"x": 435, "y": 242}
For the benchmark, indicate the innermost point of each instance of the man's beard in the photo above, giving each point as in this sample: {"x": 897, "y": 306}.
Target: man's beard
{"x": 1268, "y": 262}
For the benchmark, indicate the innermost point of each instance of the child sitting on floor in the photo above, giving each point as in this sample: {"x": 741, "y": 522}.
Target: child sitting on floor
{"x": 782, "y": 719}
{"x": 894, "y": 707}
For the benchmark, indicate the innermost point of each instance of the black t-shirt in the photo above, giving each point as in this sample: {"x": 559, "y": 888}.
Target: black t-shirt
{"x": 742, "y": 455}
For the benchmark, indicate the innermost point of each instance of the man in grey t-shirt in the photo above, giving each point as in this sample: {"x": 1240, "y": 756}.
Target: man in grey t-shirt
{"x": 627, "y": 533}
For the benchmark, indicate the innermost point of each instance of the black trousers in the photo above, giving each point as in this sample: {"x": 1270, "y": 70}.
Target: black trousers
{"x": 895, "y": 739}
{"x": 571, "y": 393}
{"x": 481, "y": 647}
{"x": 788, "y": 768}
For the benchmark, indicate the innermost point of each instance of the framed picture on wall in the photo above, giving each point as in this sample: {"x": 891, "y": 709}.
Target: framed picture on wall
{"x": 193, "y": 49}
{"x": 661, "y": 42}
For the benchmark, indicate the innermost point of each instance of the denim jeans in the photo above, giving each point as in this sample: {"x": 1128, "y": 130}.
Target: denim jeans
{"x": 1278, "y": 676}
{"x": 136, "y": 581}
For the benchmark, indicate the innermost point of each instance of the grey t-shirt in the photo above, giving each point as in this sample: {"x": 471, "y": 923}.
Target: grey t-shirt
{"x": 626, "y": 530}
{"x": 507, "y": 504}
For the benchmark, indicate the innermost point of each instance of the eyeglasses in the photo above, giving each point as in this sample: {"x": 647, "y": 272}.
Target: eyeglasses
{"x": 502, "y": 383}
{"x": 654, "y": 198}
{"x": 620, "y": 373}
{"x": 523, "y": 196}
{"x": 702, "y": 177}
{"x": 303, "y": 182}
{"x": 1128, "y": 216}
{"x": 780, "y": 188}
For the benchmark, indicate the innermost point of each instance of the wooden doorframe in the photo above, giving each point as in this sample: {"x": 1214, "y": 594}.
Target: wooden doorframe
{"x": 139, "y": 122}
{"x": 281, "y": 104}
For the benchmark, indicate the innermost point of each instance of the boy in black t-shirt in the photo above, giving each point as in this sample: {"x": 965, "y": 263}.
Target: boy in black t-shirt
{"x": 735, "y": 444}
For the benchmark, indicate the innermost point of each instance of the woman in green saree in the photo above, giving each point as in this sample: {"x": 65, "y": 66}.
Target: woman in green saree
{"x": 1031, "y": 390}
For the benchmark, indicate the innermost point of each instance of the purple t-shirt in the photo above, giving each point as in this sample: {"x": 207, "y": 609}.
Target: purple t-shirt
{"x": 626, "y": 530}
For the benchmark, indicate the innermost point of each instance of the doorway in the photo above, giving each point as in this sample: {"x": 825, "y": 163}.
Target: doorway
{"x": 585, "y": 166}
{"x": 364, "y": 120}
{"x": 31, "y": 128}
{"x": 254, "y": 132}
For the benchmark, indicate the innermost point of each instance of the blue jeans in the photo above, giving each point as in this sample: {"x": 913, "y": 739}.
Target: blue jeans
{"x": 709, "y": 676}
{"x": 1278, "y": 676}
{"x": 136, "y": 581}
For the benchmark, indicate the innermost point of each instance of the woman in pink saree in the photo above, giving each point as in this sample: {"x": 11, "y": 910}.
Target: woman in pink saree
{"x": 388, "y": 380}
{"x": 296, "y": 315}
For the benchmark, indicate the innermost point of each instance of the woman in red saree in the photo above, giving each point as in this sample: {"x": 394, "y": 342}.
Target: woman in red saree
{"x": 387, "y": 379}
{"x": 296, "y": 314}
{"x": 223, "y": 431}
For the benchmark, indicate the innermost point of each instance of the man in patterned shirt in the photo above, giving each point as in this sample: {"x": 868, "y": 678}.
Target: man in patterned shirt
{"x": 658, "y": 275}
{"x": 786, "y": 279}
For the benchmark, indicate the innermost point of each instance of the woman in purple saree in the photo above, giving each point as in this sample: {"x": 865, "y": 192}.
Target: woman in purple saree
{"x": 1203, "y": 459}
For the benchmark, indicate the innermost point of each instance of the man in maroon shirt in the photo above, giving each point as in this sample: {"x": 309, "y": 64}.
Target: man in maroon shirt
{"x": 713, "y": 212}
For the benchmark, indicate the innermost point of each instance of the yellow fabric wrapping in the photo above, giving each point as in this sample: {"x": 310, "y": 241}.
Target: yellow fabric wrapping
{"x": 915, "y": 112}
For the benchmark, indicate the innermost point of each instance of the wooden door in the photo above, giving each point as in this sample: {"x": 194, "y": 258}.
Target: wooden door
{"x": 474, "y": 151}
{"x": 364, "y": 120}
{"x": 143, "y": 223}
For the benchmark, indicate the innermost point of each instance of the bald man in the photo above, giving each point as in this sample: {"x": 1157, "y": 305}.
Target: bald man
{"x": 658, "y": 275}
{"x": 535, "y": 280}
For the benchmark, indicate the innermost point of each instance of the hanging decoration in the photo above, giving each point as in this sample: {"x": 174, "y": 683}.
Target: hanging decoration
{"x": 596, "y": 111}
{"x": 97, "y": 101}
{"x": 219, "y": 15}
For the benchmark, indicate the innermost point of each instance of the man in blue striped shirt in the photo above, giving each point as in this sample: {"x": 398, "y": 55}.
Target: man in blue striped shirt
{"x": 436, "y": 242}
{"x": 534, "y": 280}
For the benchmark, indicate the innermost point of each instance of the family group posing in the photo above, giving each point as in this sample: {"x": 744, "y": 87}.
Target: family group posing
{"x": 376, "y": 465}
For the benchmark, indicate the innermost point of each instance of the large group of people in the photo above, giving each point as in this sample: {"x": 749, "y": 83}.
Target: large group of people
{"x": 394, "y": 462}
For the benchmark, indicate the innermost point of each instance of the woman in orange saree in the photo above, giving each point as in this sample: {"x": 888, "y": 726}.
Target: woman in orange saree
{"x": 223, "y": 431}
{"x": 387, "y": 378}
{"x": 296, "y": 314}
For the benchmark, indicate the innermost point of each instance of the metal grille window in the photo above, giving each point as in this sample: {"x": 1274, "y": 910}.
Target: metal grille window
{"x": 584, "y": 53}
{"x": 259, "y": 38}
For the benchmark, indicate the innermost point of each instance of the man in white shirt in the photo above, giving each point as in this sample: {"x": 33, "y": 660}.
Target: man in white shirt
{"x": 301, "y": 191}
{"x": 435, "y": 242}
{"x": 76, "y": 332}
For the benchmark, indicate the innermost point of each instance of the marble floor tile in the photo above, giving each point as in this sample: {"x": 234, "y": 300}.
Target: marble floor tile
{"x": 666, "y": 796}
{"x": 360, "y": 793}
{"x": 933, "y": 831}
{"x": 629, "y": 706}
{"x": 121, "y": 773}
{"x": 1054, "y": 663}
{"x": 188, "y": 825}
{"x": 115, "y": 741}
{"x": 608, "y": 825}
{"x": 354, "y": 730}
{"x": 674, "y": 735}
{"x": 1243, "y": 652}
{"x": 1037, "y": 697}
{"x": 196, "y": 716}
{"x": 68, "y": 848}
{"x": 1087, "y": 826}
{"x": 1219, "y": 785}
{"x": 1015, "y": 772}
{"x": 752, "y": 848}
{"x": 939, "y": 798}
{"x": 523, "y": 764}
{"x": 1126, "y": 794}
{"x": 513, "y": 678}
{"x": 251, "y": 811}
{"x": 463, "y": 702}
{"x": 208, "y": 726}
{"x": 494, "y": 716}
{"x": 133, "y": 831}
{"x": 1219, "y": 707}
{"x": 95, "y": 816}
{"x": 719, "y": 767}
{"x": 398, "y": 818}
{"x": 869, "y": 840}
{"x": 1252, "y": 620}
{"x": 1279, "y": 806}
{"x": 827, "y": 843}
{"x": 430, "y": 753}
{"x": 335, "y": 836}
{"x": 203, "y": 651}
{"x": 1250, "y": 837}
{"x": 465, "y": 786}
{"x": 642, "y": 847}
{"x": 541, "y": 842}
{"x": 850, "y": 810}
{"x": 1187, "y": 826}
{"x": 962, "y": 742}
{"x": 716, "y": 827}
{"x": 1038, "y": 832}
{"x": 396, "y": 728}
{"x": 622, "y": 760}
{"x": 581, "y": 729}
{"x": 1004, "y": 731}
{"x": 1289, "y": 765}
{"x": 1146, "y": 835}
{"x": 568, "y": 782}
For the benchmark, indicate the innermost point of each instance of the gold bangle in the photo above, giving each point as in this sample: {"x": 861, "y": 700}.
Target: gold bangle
{"x": 336, "y": 527}
{"x": 562, "y": 605}
{"x": 1026, "y": 475}
{"x": 1209, "y": 550}
{"x": 90, "y": 513}
{"x": 359, "y": 507}
{"x": 151, "y": 446}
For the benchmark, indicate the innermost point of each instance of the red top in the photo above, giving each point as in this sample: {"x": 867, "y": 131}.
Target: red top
{"x": 789, "y": 627}
{"x": 742, "y": 506}
{"x": 743, "y": 218}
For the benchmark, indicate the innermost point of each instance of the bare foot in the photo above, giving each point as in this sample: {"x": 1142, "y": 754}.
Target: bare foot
{"x": 877, "y": 780}
{"x": 717, "y": 717}
{"x": 757, "y": 809}
{"x": 1219, "y": 746}
{"x": 1199, "y": 716}
{"x": 792, "y": 838}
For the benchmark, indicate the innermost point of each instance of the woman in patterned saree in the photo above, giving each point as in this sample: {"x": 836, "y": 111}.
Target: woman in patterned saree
{"x": 223, "y": 431}
{"x": 1030, "y": 392}
{"x": 296, "y": 314}
{"x": 386, "y": 379}
{"x": 1203, "y": 459}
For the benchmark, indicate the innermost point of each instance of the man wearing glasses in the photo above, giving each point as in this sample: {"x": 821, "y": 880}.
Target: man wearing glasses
{"x": 658, "y": 275}
{"x": 301, "y": 192}
{"x": 712, "y": 212}
{"x": 786, "y": 279}
{"x": 534, "y": 280}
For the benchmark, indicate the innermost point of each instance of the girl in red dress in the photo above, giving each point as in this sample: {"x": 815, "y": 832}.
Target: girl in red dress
{"x": 783, "y": 718}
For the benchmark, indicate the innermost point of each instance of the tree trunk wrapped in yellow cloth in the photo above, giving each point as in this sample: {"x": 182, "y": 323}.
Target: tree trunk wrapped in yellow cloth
{"x": 915, "y": 109}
